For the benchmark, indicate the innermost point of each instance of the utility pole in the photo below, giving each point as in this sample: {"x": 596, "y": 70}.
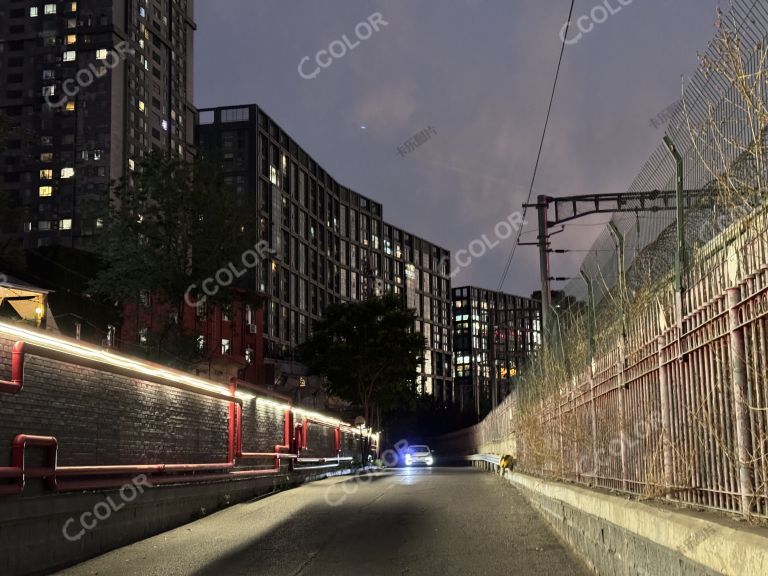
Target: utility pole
{"x": 543, "y": 243}
{"x": 568, "y": 208}
{"x": 542, "y": 206}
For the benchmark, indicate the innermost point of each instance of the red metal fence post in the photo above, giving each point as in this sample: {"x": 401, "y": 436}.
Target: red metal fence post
{"x": 621, "y": 380}
{"x": 741, "y": 406}
{"x": 666, "y": 429}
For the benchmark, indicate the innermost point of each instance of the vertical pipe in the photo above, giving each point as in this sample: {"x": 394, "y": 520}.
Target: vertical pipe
{"x": 741, "y": 408}
{"x": 337, "y": 439}
{"x": 542, "y": 206}
{"x": 287, "y": 427}
{"x": 233, "y": 424}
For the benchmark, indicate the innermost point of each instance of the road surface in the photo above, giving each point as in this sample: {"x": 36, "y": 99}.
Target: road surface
{"x": 440, "y": 521}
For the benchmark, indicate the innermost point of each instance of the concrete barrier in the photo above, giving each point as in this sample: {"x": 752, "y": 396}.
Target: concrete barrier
{"x": 618, "y": 536}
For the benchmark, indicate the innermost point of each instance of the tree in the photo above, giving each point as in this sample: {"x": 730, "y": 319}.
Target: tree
{"x": 368, "y": 351}
{"x": 176, "y": 225}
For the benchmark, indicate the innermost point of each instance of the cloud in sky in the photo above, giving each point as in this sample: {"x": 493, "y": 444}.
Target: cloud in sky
{"x": 480, "y": 73}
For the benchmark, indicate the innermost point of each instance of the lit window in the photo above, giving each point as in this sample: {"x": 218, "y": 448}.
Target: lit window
{"x": 49, "y": 74}
{"x": 142, "y": 12}
{"x": 44, "y": 225}
{"x": 71, "y": 39}
{"x": 46, "y": 174}
{"x": 65, "y": 224}
{"x": 49, "y": 90}
{"x": 33, "y": 12}
{"x": 50, "y": 9}
{"x": 69, "y": 56}
{"x": 101, "y": 54}
{"x": 141, "y": 105}
{"x": 225, "y": 346}
{"x": 71, "y": 23}
{"x": 131, "y": 164}
{"x": 70, "y": 107}
{"x": 67, "y": 172}
{"x": 46, "y": 157}
{"x": 99, "y": 223}
{"x": 165, "y": 125}
{"x": 73, "y": 6}
{"x": 143, "y": 335}
{"x": 201, "y": 343}
{"x": 46, "y": 191}
{"x": 249, "y": 355}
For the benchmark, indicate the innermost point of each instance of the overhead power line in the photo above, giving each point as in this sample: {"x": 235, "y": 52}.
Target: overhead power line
{"x": 541, "y": 145}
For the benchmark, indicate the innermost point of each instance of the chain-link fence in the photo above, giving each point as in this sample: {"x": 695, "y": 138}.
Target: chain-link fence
{"x": 658, "y": 384}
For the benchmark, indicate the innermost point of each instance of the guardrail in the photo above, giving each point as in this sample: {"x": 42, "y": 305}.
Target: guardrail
{"x": 489, "y": 458}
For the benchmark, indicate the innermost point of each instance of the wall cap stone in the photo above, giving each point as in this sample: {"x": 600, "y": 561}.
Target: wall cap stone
{"x": 713, "y": 544}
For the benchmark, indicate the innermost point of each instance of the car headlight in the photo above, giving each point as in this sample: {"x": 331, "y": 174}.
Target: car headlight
{"x": 408, "y": 459}
{"x": 430, "y": 460}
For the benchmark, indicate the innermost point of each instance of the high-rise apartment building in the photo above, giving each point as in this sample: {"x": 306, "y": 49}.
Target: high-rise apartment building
{"x": 330, "y": 244}
{"x": 490, "y": 329}
{"x": 89, "y": 87}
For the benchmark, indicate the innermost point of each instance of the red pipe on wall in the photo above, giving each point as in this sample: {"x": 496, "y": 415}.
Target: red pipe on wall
{"x": 18, "y": 449}
{"x": 287, "y": 427}
{"x": 232, "y": 438}
{"x": 52, "y": 472}
{"x": 14, "y": 385}
{"x": 21, "y": 349}
{"x": 278, "y": 454}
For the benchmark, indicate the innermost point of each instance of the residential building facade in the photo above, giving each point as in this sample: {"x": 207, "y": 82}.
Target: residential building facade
{"x": 329, "y": 243}
{"x": 88, "y": 87}
{"x": 229, "y": 339}
{"x": 493, "y": 333}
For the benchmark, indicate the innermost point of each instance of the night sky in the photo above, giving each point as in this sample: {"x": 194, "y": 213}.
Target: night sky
{"x": 479, "y": 73}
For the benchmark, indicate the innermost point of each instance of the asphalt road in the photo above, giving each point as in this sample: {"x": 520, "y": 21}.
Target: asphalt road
{"x": 440, "y": 521}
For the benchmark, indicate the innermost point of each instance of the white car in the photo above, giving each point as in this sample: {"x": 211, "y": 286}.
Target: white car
{"x": 420, "y": 454}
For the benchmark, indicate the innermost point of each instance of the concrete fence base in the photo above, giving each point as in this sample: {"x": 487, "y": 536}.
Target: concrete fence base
{"x": 39, "y": 534}
{"x": 618, "y": 536}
